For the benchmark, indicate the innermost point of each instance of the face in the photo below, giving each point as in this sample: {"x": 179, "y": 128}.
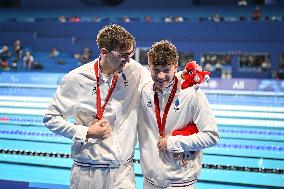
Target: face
{"x": 162, "y": 75}
{"x": 118, "y": 58}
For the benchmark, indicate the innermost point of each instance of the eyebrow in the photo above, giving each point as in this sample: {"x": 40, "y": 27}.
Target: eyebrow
{"x": 130, "y": 52}
{"x": 162, "y": 68}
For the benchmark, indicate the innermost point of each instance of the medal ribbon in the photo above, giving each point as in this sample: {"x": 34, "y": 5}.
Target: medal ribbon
{"x": 100, "y": 109}
{"x": 161, "y": 124}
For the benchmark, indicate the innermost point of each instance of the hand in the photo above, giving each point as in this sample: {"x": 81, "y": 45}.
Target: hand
{"x": 162, "y": 144}
{"x": 99, "y": 130}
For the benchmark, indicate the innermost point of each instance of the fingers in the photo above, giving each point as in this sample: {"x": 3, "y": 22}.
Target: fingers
{"x": 159, "y": 145}
{"x": 100, "y": 129}
{"x": 162, "y": 148}
{"x": 105, "y": 131}
{"x": 104, "y": 123}
{"x": 106, "y": 136}
{"x": 162, "y": 144}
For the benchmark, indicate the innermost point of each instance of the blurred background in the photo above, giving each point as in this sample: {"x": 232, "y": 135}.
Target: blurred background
{"x": 239, "y": 41}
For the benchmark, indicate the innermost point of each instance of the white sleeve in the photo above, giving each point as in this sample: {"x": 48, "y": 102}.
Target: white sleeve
{"x": 205, "y": 121}
{"x": 179, "y": 75}
{"x": 145, "y": 77}
{"x": 63, "y": 105}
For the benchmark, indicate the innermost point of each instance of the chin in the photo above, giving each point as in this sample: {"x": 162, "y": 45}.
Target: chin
{"x": 119, "y": 71}
{"x": 160, "y": 88}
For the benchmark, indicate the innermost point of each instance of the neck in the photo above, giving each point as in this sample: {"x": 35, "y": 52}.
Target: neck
{"x": 104, "y": 68}
{"x": 158, "y": 89}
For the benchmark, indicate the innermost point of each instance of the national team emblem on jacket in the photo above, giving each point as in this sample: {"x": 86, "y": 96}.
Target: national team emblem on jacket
{"x": 149, "y": 104}
{"x": 94, "y": 90}
{"x": 176, "y": 105}
{"x": 124, "y": 79}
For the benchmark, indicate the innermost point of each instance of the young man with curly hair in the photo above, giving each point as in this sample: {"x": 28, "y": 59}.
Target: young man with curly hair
{"x": 102, "y": 95}
{"x": 172, "y": 161}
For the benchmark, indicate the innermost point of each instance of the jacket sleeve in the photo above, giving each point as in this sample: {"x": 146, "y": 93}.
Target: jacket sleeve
{"x": 205, "y": 121}
{"x": 62, "y": 107}
{"x": 145, "y": 77}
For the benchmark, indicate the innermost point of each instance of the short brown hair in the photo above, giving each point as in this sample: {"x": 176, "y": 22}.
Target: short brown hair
{"x": 115, "y": 37}
{"x": 163, "y": 53}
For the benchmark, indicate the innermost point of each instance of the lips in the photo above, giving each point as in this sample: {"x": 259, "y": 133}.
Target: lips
{"x": 161, "y": 83}
{"x": 120, "y": 67}
{"x": 119, "y": 70}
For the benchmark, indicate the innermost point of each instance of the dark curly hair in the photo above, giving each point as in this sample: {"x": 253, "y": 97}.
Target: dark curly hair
{"x": 163, "y": 53}
{"x": 115, "y": 37}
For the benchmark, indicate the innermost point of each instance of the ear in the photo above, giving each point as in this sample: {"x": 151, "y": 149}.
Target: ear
{"x": 103, "y": 52}
{"x": 176, "y": 67}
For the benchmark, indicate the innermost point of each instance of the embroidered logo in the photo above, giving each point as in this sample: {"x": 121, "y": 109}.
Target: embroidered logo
{"x": 94, "y": 90}
{"x": 149, "y": 104}
{"x": 124, "y": 79}
{"x": 176, "y": 105}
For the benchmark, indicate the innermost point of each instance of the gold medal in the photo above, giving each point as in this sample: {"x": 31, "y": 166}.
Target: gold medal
{"x": 93, "y": 122}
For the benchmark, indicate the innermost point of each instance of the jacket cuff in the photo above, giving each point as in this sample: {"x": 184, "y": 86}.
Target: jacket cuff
{"x": 173, "y": 144}
{"x": 80, "y": 134}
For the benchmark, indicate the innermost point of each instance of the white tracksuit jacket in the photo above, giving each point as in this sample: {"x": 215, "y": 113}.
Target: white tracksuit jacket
{"x": 75, "y": 96}
{"x": 189, "y": 106}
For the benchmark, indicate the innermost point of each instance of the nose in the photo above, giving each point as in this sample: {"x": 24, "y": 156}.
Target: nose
{"x": 161, "y": 75}
{"x": 126, "y": 58}
{"x": 123, "y": 62}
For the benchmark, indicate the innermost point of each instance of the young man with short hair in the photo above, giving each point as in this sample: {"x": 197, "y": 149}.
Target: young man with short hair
{"x": 172, "y": 161}
{"x": 102, "y": 95}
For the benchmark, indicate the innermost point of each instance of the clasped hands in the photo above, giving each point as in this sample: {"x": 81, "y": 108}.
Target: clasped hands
{"x": 99, "y": 129}
{"x": 162, "y": 146}
{"x": 162, "y": 143}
